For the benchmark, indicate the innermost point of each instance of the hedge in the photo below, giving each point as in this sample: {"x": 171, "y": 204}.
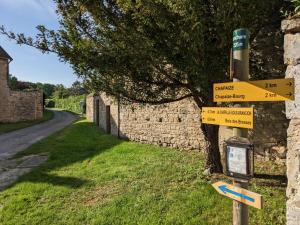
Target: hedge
{"x": 71, "y": 103}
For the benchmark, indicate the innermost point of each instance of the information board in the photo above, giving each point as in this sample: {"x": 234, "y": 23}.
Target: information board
{"x": 237, "y": 159}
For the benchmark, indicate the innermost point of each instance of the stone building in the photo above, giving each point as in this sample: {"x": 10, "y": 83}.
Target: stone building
{"x": 17, "y": 105}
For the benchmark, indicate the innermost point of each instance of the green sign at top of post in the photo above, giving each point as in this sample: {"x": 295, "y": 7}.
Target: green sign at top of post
{"x": 240, "y": 39}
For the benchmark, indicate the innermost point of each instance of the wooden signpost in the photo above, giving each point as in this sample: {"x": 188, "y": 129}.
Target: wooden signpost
{"x": 260, "y": 90}
{"x": 239, "y": 151}
{"x": 239, "y": 194}
{"x": 232, "y": 117}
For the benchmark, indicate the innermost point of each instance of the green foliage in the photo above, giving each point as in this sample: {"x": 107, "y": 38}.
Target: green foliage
{"x": 153, "y": 51}
{"x": 13, "y": 82}
{"x": 77, "y": 88}
{"x": 17, "y": 85}
{"x": 60, "y": 92}
{"x": 71, "y": 103}
{"x": 296, "y": 4}
{"x": 93, "y": 178}
{"x": 49, "y": 103}
{"x": 50, "y": 90}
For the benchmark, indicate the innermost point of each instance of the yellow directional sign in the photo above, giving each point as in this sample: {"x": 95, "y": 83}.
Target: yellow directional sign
{"x": 231, "y": 117}
{"x": 239, "y": 194}
{"x": 249, "y": 91}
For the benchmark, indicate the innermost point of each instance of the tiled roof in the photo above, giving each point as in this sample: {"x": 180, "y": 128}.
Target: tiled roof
{"x": 4, "y": 54}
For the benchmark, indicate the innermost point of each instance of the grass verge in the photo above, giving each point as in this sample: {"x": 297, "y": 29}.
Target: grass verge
{"x": 8, "y": 127}
{"x": 94, "y": 178}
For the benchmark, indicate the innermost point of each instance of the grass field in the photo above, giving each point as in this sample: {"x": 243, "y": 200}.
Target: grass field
{"x": 8, "y": 127}
{"x": 94, "y": 178}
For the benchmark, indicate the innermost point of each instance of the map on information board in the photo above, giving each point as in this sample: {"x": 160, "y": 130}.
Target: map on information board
{"x": 237, "y": 160}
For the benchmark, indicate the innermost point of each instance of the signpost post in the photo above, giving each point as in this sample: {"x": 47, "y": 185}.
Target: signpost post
{"x": 238, "y": 149}
{"x": 240, "y": 73}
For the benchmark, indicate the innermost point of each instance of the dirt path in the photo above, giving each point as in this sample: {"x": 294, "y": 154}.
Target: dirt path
{"x": 16, "y": 141}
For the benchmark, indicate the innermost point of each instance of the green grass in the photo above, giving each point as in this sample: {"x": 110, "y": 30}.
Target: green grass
{"x": 94, "y": 178}
{"x": 8, "y": 127}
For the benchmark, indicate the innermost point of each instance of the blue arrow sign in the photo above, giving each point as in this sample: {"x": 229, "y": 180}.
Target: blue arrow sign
{"x": 225, "y": 190}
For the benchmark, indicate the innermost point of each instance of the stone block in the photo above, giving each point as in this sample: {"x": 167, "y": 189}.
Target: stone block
{"x": 293, "y": 212}
{"x": 293, "y": 107}
{"x": 291, "y": 26}
{"x": 292, "y": 49}
{"x": 293, "y": 164}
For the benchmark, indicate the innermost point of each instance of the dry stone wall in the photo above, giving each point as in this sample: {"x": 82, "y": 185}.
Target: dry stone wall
{"x": 177, "y": 125}
{"x": 17, "y": 105}
{"x": 291, "y": 28}
{"x": 25, "y": 105}
{"x": 90, "y": 107}
{"x": 174, "y": 125}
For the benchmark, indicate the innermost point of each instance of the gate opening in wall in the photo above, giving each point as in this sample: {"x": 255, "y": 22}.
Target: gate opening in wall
{"x": 97, "y": 112}
{"x": 108, "y": 123}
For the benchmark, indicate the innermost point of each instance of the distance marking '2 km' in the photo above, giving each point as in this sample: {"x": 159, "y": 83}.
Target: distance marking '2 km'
{"x": 251, "y": 91}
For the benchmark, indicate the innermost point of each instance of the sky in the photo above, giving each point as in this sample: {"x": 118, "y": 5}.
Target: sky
{"x": 29, "y": 64}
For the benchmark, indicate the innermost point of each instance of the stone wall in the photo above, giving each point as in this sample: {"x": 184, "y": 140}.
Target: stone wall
{"x": 175, "y": 125}
{"x": 4, "y": 90}
{"x": 291, "y": 28}
{"x": 90, "y": 107}
{"x": 25, "y": 105}
{"x": 178, "y": 124}
{"x": 17, "y": 105}
{"x": 269, "y": 134}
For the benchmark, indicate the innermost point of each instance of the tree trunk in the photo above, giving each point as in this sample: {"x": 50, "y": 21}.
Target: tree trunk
{"x": 213, "y": 158}
{"x": 211, "y": 134}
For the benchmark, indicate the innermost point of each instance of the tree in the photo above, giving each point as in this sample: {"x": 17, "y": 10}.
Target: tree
{"x": 153, "y": 51}
{"x": 77, "y": 88}
{"x": 13, "y": 82}
{"x": 48, "y": 89}
{"x": 60, "y": 91}
{"x": 17, "y": 85}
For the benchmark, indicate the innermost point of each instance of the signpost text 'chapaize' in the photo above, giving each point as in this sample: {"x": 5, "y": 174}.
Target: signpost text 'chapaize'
{"x": 260, "y": 90}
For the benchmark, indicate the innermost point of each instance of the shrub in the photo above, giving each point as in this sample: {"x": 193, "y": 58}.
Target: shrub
{"x": 49, "y": 103}
{"x": 297, "y": 6}
{"x": 71, "y": 103}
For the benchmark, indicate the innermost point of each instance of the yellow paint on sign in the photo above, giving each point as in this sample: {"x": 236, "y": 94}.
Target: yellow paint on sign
{"x": 249, "y": 91}
{"x": 239, "y": 194}
{"x": 231, "y": 117}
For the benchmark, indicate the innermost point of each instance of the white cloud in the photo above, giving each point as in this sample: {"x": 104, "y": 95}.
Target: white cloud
{"x": 38, "y": 6}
